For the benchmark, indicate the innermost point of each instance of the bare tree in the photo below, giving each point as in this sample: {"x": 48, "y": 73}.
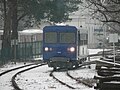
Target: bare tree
{"x": 107, "y": 11}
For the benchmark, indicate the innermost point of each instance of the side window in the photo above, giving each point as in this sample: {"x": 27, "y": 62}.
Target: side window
{"x": 83, "y": 39}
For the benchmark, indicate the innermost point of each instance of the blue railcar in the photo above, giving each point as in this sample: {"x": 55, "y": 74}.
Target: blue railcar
{"x": 61, "y": 46}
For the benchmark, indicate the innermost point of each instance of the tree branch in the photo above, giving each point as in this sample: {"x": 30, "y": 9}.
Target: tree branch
{"x": 20, "y": 17}
{"x": 116, "y": 2}
{"x": 111, "y": 21}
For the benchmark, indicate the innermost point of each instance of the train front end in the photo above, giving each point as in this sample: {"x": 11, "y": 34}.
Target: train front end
{"x": 60, "y": 46}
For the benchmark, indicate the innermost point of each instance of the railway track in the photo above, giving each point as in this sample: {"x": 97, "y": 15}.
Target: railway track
{"x": 86, "y": 82}
{"x": 26, "y": 68}
{"x": 62, "y": 82}
{"x": 108, "y": 75}
{"x": 65, "y": 81}
{"x": 12, "y": 73}
{"x": 77, "y": 82}
{"x": 10, "y": 70}
{"x": 13, "y": 78}
{"x": 70, "y": 81}
{"x": 81, "y": 82}
{"x": 108, "y": 79}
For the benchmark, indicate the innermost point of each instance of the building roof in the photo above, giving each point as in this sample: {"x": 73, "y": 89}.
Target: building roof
{"x": 27, "y": 31}
{"x": 30, "y": 31}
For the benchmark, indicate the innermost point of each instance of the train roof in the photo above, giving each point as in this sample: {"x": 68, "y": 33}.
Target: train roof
{"x": 60, "y": 28}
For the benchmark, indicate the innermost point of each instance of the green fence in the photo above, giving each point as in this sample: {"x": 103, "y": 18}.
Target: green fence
{"x": 28, "y": 50}
{"x": 22, "y": 51}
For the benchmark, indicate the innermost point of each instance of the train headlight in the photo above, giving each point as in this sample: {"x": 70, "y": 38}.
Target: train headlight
{"x": 46, "y": 48}
{"x": 71, "y": 49}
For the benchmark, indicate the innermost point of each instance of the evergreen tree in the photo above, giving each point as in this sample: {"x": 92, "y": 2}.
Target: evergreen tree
{"x": 16, "y": 10}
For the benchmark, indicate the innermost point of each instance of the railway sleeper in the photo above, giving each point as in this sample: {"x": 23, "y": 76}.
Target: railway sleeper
{"x": 107, "y": 73}
{"x": 110, "y": 69}
{"x": 107, "y": 79}
{"x": 103, "y": 63}
{"x": 108, "y": 86}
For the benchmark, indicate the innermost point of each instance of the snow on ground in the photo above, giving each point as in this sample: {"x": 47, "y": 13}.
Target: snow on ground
{"x": 85, "y": 74}
{"x": 63, "y": 77}
{"x": 40, "y": 79}
{"x": 5, "y": 80}
{"x": 94, "y": 51}
{"x": 10, "y": 65}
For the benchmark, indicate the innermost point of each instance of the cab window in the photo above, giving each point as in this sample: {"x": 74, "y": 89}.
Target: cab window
{"x": 67, "y": 37}
{"x": 50, "y": 37}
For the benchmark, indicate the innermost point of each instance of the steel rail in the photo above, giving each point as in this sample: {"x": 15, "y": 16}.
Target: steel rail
{"x": 16, "y": 87}
{"x": 63, "y": 83}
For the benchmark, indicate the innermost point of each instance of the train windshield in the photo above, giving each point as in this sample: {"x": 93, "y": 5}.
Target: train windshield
{"x": 51, "y": 37}
{"x": 67, "y": 37}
